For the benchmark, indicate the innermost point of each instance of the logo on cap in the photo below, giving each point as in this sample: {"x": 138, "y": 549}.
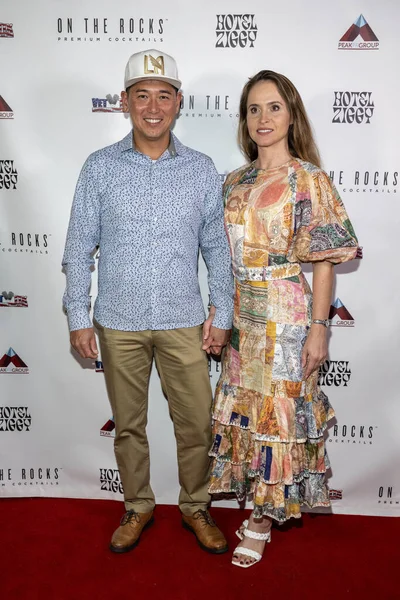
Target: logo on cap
{"x": 156, "y": 63}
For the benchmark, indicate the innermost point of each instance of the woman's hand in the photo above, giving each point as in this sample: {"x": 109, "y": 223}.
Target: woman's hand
{"x": 315, "y": 349}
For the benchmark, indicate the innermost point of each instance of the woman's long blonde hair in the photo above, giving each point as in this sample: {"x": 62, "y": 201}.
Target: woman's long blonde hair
{"x": 300, "y": 137}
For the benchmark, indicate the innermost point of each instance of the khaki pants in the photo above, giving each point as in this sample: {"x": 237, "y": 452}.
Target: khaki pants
{"x": 182, "y": 365}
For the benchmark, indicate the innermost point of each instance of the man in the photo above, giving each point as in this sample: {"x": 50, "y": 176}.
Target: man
{"x": 150, "y": 203}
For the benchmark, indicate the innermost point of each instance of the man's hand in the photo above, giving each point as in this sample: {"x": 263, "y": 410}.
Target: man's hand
{"x": 216, "y": 340}
{"x": 84, "y": 342}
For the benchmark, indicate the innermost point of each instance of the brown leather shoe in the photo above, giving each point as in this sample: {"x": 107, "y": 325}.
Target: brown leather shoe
{"x": 127, "y": 536}
{"x": 209, "y": 537}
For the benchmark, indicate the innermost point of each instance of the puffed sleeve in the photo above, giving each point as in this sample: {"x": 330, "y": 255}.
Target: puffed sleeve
{"x": 322, "y": 229}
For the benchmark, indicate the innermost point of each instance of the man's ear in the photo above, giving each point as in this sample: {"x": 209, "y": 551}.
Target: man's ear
{"x": 179, "y": 100}
{"x": 125, "y": 103}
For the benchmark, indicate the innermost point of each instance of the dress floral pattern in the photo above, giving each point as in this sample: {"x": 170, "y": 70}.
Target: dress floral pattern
{"x": 268, "y": 422}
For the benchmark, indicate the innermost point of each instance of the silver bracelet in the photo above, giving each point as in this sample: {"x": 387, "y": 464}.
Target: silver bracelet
{"x": 324, "y": 322}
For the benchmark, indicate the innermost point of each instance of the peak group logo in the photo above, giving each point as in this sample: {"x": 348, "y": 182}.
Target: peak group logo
{"x": 27, "y": 243}
{"x": 108, "y": 429}
{"x": 6, "y": 30}
{"x": 236, "y": 31}
{"x": 15, "y": 418}
{"x": 94, "y": 29}
{"x": 352, "y": 434}
{"x": 359, "y": 36}
{"x": 10, "y": 300}
{"x": 207, "y": 106}
{"x": 8, "y": 175}
{"x": 339, "y": 316}
{"x": 109, "y": 104}
{"x": 30, "y": 476}
{"x": 12, "y": 363}
{"x": 363, "y": 181}
{"x": 6, "y": 112}
{"x": 353, "y": 107}
{"x": 334, "y": 372}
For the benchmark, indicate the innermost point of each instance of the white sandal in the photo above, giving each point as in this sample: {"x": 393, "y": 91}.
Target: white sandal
{"x": 263, "y": 537}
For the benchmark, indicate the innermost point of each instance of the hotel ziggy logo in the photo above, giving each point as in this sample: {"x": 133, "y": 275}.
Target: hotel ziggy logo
{"x": 15, "y": 418}
{"x": 236, "y": 31}
{"x": 359, "y": 37}
{"x": 353, "y": 107}
{"x": 156, "y": 65}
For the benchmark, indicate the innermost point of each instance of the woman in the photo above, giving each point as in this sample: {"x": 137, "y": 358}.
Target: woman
{"x": 269, "y": 413}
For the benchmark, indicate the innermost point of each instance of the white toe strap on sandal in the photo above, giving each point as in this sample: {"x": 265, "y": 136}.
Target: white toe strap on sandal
{"x": 247, "y": 552}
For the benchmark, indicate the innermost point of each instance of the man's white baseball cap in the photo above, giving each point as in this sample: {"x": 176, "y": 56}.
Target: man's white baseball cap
{"x": 151, "y": 64}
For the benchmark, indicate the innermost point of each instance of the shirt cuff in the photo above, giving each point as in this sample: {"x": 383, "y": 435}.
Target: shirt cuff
{"x": 79, "y": 319}
{"x": 223, "y": 319}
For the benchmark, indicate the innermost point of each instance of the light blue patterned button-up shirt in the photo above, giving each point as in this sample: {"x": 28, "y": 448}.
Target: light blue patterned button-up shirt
{"x": 149, "y": 218}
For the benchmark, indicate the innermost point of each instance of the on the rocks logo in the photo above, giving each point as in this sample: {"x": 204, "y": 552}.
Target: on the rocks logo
{"x": 334, "y": 372}
{"x": 387, "y": 495}
{"x": 339, "y": 316}
{"x": 27, "y": 243}
{"x": 98, "y": 365}
{"x": 352, "y": 434}
{"x": 15, "y": 418}
{"x": 31, "y": 476}
{"x": 110, "y": 481}
{"x": 94, "y": 29}
{"x": 8, "y": 175}
{"x": 362, "y": 181}
{"x": 12, "y": 363}
{"x": 207, "y": 106}
{"x": 359, "y": 36}
{"x": 353, "y": 107}
{"x": 6, "y": 112}
{"x": 6, "y": 30}
{"x": 236, "y": 31}
{"x": 108, "y": 428}
{"x": 10, "y": 300}
{"x": 109, "y": 104}
{"x": 335, "y": 494}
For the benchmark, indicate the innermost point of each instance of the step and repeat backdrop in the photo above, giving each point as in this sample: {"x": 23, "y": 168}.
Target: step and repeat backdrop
{"x": 61, "y": 73}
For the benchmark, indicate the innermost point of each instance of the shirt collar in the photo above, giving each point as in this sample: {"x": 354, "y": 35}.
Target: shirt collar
{"x": 175, "y": 146}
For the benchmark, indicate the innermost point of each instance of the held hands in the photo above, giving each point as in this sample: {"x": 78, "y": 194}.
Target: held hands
{"x": 84, "y": 342}
{"x": 315, "y": 350}
{"x": 214, "y": 339}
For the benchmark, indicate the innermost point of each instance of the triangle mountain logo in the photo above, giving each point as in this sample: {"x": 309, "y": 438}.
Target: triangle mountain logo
{"x": 359, "y": 29}
{"x": 12, "y": 363}
{"x": 4, "y": 107}
{"x": 339, "y": 316}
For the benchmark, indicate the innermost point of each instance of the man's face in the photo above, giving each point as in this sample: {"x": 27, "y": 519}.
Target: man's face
{"x": 153, "y": 106}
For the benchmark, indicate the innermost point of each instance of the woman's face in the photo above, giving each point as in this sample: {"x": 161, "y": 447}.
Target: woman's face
{"x": 268, "y": 117}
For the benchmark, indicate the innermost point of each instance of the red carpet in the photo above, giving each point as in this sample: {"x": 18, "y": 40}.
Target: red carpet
{"x": 57, "y": 549}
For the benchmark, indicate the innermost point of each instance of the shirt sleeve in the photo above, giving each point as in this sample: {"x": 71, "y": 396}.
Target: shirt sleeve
{"x": 82, "y": 238}
{"x": 215, "y": 250}
{"x": 322, "y": 229}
